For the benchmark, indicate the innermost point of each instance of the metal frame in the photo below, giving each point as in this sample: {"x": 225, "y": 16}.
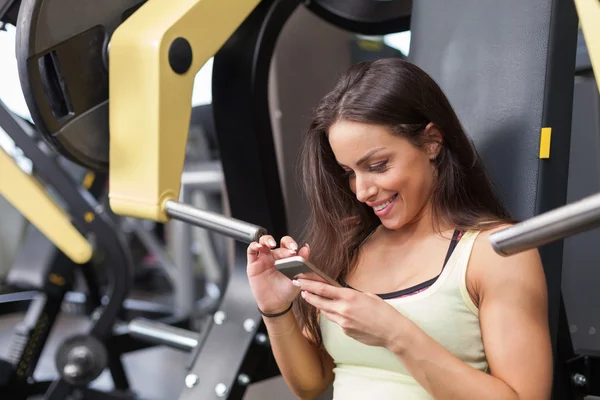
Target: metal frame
{"x": 233, "y": 352}
{"x": 33, "y": 269}
{"x": 31, "y": 334}
{"x": 558, "y": 108}
{"x": 197, "y": 179}
{"x": 101, "y": 229}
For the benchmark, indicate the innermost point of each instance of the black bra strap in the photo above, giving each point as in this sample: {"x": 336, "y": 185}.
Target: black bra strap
{"x": 455, "y": 239}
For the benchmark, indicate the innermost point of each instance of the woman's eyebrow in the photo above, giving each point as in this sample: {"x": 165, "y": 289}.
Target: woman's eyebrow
{"x": 369, "y": 154}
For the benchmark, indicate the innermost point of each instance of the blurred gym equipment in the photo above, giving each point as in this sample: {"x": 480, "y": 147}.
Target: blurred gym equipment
{"x": 82, "y": 357}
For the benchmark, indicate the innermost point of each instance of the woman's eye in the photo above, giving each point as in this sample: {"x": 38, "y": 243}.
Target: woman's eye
{"x": 378, "y": 167}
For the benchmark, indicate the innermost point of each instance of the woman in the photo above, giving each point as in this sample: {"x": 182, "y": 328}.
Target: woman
{"x": 401, "y": 210}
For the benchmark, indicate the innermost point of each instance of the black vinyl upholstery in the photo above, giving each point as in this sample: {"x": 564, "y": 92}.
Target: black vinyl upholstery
{"x": 581, "y": 274}
{"x": 507, "y": 68}
{"x": 491, "y": 60}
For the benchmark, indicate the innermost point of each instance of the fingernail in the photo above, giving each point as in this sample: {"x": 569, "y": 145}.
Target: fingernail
{"x": 292, "y": 251}
{"x": 296, "y": 283}
{"x": 307, "y": 246}
{"x": 294, "y": 246}
{"x": 303, "y": 293}
{"x": 272, "y": 242}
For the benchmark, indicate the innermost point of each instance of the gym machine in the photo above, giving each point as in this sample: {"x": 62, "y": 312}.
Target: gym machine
{"x": 82, "y": 357}
{"x": 167, "y": 43}
{"x": 569, "y": 219}
{"x": 580, "y": 370}
{"x": 42, "y": 281}
{"x": 64, "y": 66}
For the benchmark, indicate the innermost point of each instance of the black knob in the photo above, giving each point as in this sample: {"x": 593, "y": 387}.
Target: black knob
{"x": 180, "y": 55}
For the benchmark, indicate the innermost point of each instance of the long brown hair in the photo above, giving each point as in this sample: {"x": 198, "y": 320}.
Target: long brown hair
{"x": 399, "y": 95}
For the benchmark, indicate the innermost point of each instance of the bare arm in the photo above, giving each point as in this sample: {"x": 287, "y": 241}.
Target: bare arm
{"x": 306, "y": 370}
{"x": 513, "y": 317}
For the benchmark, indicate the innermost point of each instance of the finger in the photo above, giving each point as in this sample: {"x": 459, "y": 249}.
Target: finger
{"x": 319, "y": 288}
{"x": 255, "y": 249}
{"x": 310, "y": 276}
{"x": 288, "y": 242}
{"x": 335, "y": 318}
{"x": 304, "y": 251}
{"x": 268, "y": 240}
{"x": 317, "y": 301}
{"x": 282, "y": 253}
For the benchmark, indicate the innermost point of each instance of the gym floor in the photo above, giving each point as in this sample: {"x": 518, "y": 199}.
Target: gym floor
{"x": 155, "y": 373}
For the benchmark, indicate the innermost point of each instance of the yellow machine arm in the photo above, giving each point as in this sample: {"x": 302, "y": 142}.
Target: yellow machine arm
{"x": 154, "y": 58}
{"x": 589, "y": 18}
{"x": 29, "y": 197}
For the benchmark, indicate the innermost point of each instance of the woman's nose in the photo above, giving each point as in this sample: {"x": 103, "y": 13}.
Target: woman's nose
{"x": 364, "y": 189}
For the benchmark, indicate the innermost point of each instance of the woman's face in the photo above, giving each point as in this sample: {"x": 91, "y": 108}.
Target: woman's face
{"x": 385, "y": 171}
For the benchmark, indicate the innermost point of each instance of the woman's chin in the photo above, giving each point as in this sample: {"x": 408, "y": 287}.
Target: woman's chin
{"x": 392, "y": 224}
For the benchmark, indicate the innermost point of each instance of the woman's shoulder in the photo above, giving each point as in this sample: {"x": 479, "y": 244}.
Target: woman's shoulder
{"x": 484, "y": 253}
{"x": 487, "y": 269}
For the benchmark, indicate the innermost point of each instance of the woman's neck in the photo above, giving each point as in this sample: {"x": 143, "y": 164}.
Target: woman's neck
{"x": 423, "y": 226}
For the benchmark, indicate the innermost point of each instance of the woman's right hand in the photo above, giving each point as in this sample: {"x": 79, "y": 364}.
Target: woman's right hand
{"x": 273, "y": 291}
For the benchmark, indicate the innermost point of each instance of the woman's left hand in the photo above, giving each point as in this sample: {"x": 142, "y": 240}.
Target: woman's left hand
{"x": 364, "y": 317}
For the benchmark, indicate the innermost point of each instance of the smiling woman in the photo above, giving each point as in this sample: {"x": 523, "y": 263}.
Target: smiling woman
{"x": 401, "y": 208}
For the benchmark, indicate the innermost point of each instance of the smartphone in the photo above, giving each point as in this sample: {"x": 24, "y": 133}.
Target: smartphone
{"x": 293, "y": 266}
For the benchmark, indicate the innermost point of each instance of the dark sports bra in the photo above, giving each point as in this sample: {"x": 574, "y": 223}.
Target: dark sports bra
{"x": 423, "y": 285}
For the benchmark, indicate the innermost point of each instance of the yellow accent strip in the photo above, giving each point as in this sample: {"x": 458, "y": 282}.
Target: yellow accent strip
{"x": 545, "y": 139}
{"x": 88, "y": 180}
{"x": 89, "y": 217}
{"x": 589, "y": 20}
{"x": 29, "y": 197}
{"x": 150, "y": 105}
{"x": 56, "y": 279}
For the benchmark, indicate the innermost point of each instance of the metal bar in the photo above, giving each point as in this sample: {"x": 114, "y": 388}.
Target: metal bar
{"x": 181, "y": 232}
{"x": 216, "y": 269}
{"x": 548, "y": 227}
{"x": 117, "y": 371}
{"x": 206, "y": 176}
{"x": 234, "y": 228}
{"x": 122, "y": 342}
{"x": 153, "y": 245}
{"x": 159, "y": 333}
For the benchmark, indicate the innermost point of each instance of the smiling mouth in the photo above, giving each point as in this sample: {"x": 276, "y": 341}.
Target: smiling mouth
{"x": 387, "y": 203}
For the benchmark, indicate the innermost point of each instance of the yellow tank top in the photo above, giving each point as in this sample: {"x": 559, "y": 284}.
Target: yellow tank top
{"x": 444, "y": 311}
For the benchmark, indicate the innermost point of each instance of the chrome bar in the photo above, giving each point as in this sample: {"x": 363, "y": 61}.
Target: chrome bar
{"x": 159, "y": 333}
{"x": 234, "y": 228}
{"x": 548, "y": 227}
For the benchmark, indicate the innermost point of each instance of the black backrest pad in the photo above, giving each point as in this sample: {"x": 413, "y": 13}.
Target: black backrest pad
{"x": 581, "y": 274}
{"x": 507, "y": 68}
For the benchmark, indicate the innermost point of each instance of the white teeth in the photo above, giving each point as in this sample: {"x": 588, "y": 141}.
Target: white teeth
{"x": 384, "y": 205}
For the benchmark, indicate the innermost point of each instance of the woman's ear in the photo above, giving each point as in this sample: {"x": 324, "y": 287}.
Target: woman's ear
{"x": 433, "y": 140}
